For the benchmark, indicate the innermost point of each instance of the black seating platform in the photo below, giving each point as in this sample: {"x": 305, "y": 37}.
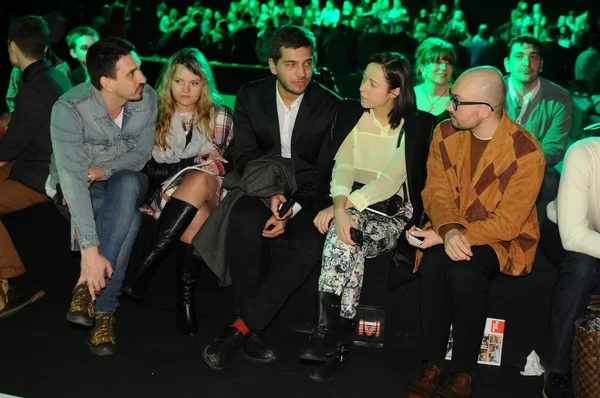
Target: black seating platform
{"x": 42, "y": 353}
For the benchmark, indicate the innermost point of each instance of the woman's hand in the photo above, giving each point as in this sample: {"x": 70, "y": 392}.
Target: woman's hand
{"x": 206, "y": 160}
{"x": 214, "y": 164}
{"x": 212, "y": 158}
{"x": 323, "y": 219}
{"x": 343, "y": 223}
{"x": 429, "y": 237}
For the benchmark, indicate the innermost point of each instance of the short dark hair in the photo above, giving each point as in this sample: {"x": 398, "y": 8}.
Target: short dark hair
{"x": 31, "y": 34}
{"x": 78, "y": 32}
{"x": 398, "y": 73}
{"x": 291, "y": 36}
{"x": 102, "y": 58}
{"x": 532, "y": 41}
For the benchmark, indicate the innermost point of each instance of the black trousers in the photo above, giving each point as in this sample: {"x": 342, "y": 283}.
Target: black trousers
{"x": 455, "y": 293}
{"x": 258, "y": 298}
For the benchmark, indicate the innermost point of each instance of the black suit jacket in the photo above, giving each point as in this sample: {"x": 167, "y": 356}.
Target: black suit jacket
{"x": 417, "y": 129}
{"x": 256, "y": 127}
{"x": 27, "y": 140}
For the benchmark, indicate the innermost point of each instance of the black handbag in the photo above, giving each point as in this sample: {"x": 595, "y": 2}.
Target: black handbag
{"x": 395, "y": 206}
{"x": 371, "y": 325}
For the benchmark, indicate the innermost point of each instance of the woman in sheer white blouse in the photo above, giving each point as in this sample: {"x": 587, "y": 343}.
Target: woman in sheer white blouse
{"x": 379, "y": 172}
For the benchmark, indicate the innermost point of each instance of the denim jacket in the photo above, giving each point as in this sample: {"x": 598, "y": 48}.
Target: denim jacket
{"x": 83, "y": 136}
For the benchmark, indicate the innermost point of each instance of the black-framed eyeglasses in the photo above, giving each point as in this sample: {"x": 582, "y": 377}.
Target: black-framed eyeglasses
{"x": 456, "y": 103}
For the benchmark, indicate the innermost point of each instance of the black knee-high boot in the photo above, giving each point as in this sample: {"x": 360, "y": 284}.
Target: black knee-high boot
{"x": 172, "y": 223}
{"x": 321, "y": 343}
{"x": 187, "y": 275}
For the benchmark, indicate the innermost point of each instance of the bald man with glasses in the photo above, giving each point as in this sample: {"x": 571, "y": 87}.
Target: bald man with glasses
{"x": 484, "y": 174}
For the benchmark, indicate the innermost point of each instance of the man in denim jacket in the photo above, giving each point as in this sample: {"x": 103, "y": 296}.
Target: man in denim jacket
{"x": 102, "y": 135}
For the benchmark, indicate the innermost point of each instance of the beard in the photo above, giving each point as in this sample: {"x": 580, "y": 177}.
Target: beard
{"x": 290, "y": 89}
{"x": 137, "y": 96}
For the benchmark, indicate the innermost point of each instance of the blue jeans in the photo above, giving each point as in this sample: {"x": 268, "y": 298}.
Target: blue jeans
{"x": 578, "y": 276}
{"x": 115, "y": 203}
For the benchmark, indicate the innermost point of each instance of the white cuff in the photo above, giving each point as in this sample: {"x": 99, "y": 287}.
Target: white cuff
{"x": 295, "y": 209}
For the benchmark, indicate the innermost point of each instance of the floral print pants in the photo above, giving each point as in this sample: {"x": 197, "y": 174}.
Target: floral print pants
{"x": 343, "y": 265}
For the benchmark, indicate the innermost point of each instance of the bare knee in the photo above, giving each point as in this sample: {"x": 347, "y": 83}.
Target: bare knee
{"x": 197, "y": 188}
{"x": 198, "y": 179}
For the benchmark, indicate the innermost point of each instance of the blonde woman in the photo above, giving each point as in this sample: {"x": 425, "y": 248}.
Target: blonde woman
{"x": 193, "y": 127}
{"x": 434, "y": 65}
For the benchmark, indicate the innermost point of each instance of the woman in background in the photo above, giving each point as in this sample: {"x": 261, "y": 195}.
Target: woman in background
{"x": 434, "y": 65}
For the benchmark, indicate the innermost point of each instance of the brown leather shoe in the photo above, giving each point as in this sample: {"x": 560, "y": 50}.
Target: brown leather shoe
{"x": 459, "y": 387}
{"x": 426, "y": 384}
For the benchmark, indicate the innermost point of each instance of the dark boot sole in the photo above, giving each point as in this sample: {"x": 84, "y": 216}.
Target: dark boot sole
{"x": 209, "y": 363}
{"x": 35, "y": 297}
{"x": 101, "y": 351}
{"x": 79, "y": 319}
{"x": 414, "y": 393}
{"x": 189, "y": 334}
{"x": 322, "y": 379}
{"x": 257, "y": 360}
{"x": 186, "y": 328}
{"x": 544, "y": 394}
{"x": 473, "y": 394}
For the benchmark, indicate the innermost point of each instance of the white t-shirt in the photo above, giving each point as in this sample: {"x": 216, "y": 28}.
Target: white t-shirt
{"x": 119, "y": 120}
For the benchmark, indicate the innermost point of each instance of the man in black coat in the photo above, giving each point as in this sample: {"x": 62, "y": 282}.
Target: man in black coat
{"x": 26, "y": 148}
{"x": 288, "y": 115}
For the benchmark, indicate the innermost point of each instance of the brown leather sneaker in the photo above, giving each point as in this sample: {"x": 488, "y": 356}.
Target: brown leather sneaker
{"x": 426, "y": 384}
{"x": 459, "y": 387}
{"x": 102, "y": 339}
{"x": 82, "y": 310}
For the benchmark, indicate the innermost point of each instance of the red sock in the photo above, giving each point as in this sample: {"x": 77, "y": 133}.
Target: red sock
{"x": 241, "y": 326}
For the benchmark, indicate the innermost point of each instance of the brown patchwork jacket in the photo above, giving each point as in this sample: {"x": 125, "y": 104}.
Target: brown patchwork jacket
{"x": 497, "y": 206}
